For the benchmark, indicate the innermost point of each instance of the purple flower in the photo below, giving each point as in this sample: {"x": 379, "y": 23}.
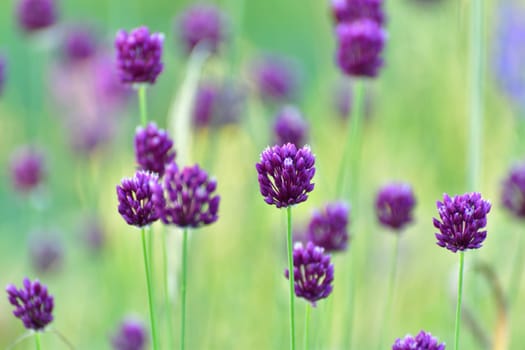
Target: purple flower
{"x": 201, "y": 23}
{"x": 313, "y": 272}
{"x": 34, "y": 15}
{"x": 153, "y": 148}
{"x": 394, "y": 205}
{"x": 79, "y": 44}
{"x": 353, "y": 10}
{"x": 190, "y": 199}
{"x": 205, "y": 101}
{"x": 46, "y": 252}
{"x": 513, "y": 193}
{"x": 422, "y": 341}
{"x": 462, "y": 218}
{"x": 33, "y": 305}
{"x": 275, "y": 78}
{"x": 2, "y": 74}
{"x": 130, "y": 336}
{"x": 139, "y": 55}
{"x": 27, "y": 168}
{"x": 92, "y": 233}
{"x": 290, "y": 127}
{"x": 285, "y": 174}
{"x": 328, "y": 228}
{"x": 360, "y": 45}
{"x": 136, "y": 197}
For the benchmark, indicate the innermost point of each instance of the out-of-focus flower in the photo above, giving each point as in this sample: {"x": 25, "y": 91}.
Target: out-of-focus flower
{"x": 275, "y": 78}
{"x": 394, "y": 205}
{"x": 2, "y": 73}
{"x": 153, "y": 148}
{"x": 353, "y": 10}
{"x": 205, "y": 101}
{"x": 190, "y": 200}
{"x": 328, "y": 228}
{"x": 34, "y": 15}
{"x": 360, "y": 45}
{"x": 290, "y": 127}
{"x": 131, "y": 335}
{"x": 201, "y": 24}
{"x": 462, "y": 218}
{"x": 342, "y": 99}
{"x": 139, "y": 55}
{"x": 136, "y": 198}
{"x": 92, "y": 233}
{"x": 313, "y": 272}
{"x": 46, "y": 252}
{"x": 422, "y": 341}
{"x": 33, "y": 305}
{"x": 79, "y": 44}
{"x": 513, "y": 193}
{"x": 285, "y": 174}
{"x": 27, "y": 168}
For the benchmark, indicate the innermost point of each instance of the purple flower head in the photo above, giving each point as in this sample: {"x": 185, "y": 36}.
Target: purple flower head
{"x": 205, "y": 102}
{"x": 34, "y": 15}
{"x": 462, "y": 218}
{"x": 139, "y": 55}
{"x": 137, "y": 198}
{"x": 202, "y": 23}
{"x": 46, "y": 252}
{"x": 290, "y": 127}
{"x": 353, "y": 10}
{"x": 33, "y": 305}
{"x": 360, "y": 45}
{"x": 190, "y": 200}
{"x": 27, "y": 168}
{"x": 2, "y": 74}
{"x": 513, "y": 193}
{"x": 275, "y": 78}
{"x": 422, "y": 341}
{"x": 130, "y": 336}
{"x": 153, "y": 148}
{"x": 285, "y": 174}
{"x": 313, "y": 272}
{"x": 394, "y": 205}
{"x": 328, "y": 228}
{"x": 79, "y": 44}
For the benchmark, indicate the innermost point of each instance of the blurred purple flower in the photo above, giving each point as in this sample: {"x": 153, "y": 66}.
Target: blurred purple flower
{"x": 313, "y": 272}
{"x": 201, "y": 23}
{"x": 422, "y": 341}
{"x": 79, "y": 44}
{"x": 131, "y": 335}
{"x": 190, "y": 200}
{"x": 394, "y": 205}
{"x": 462, "y": 218}
{"x": 46, "y": 252}
{"x": 139, "y": 55}
{"x": 290, "y": 127}
{"x": 285, "y": 174}
{"x": 27, "y": 168}
{"x": 136, "y": 198}
{"x": 92, "y": 233}
{"x": 342, "y": 99}
{"x": 353, "y": 10}
{"x": 205, "y": 101}
{"x": 275, "y": 78}
{"x": 153, "y": 148}
{"x": 360, "y": 45}
{"x": 34, "y": 15}
{"x": 328, "y": 228}
{"x": 33, "y": 305}
{"x": 2, "y": 73}
{"x": 513, "y": 192}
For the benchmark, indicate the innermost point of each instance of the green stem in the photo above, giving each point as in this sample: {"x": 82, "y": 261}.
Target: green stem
{"x": 517, "y": 270}
{"x": 141, "y": 91}
{"x": 390, "y": 292}
{"x": 183, "y": 286}
{"x": 307, "y": 325}
{"x": 37, "y": 340}
{"x": 150, "y": 290}
{"x": 291, "y": 276}
{"x": 166, "y": 288}
{"x": 460, "y": 292}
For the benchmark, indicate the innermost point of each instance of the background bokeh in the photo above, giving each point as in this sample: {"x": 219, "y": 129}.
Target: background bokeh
{"x": 415, "y": 131}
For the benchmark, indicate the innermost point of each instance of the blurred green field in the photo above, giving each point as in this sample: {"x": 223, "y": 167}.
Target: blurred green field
{"x": 237, "y": 295}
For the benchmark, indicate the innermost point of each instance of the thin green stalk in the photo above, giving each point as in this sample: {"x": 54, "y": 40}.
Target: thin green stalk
{"x": 37, "y": 340}
{"x": 183, "y": 286}
{"x": 307, "y": 325}
{"x": 291, "y": 276}
{"x": 167, "y": 300}
{"x": 517, "y": 270}
{"x": 141, "y": 91}
{"x": 150, "y": 290}
{"x": 460, "y": 292}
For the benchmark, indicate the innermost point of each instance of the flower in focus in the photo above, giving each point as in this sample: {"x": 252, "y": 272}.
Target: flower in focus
{"x": 153, "y": 148}
{"x": 27, "y": 168}
{"x": 462, "y": 218}
{"x": 394, "y": 205}
{"x": 275, "y": 78}
{"x": 136, "y": 197}
{"x": 360, "y": 45}
{"x": 79, "y": 44}
{"x": 352, "y": 10}
{"x": 34, "y": 15}
{"x": 328, "y": 228}
{"x": 139, "y": 55}
{"x": 33, "y": 305}
{"x": 290, "y": 127}
{"x": 190, "y": 200}
{"x": 422, "y": 341}
{"x": 285, "y": 174}
{"x": 131, "y": 335}
{"x": 513, "y": 193}
{"x": 313, "y": 272}
{"x": 202, "y": 23}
